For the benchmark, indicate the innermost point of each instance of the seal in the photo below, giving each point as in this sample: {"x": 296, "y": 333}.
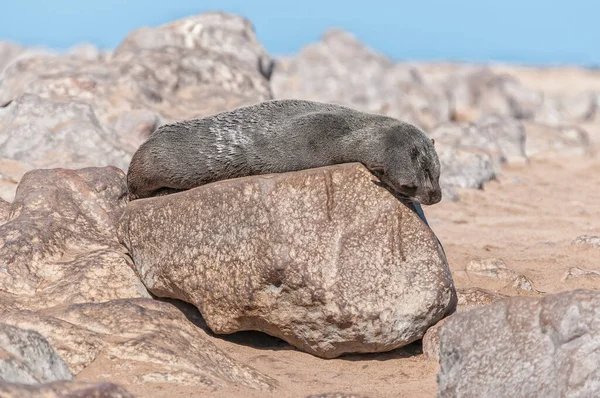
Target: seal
{"x": 279, "y": 136}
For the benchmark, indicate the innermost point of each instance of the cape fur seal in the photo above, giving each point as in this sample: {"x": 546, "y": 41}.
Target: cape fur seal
{"x": 285, "y": 135}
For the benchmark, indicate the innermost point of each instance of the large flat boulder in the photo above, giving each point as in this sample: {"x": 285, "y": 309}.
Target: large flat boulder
{"x": 326, "y": 259}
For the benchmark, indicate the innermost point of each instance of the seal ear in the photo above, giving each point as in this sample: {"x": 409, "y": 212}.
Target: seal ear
{"x": 433, "y": 141}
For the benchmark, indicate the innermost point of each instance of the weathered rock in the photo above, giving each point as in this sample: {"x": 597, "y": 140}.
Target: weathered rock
{"x": 61, "y": 233}
{"x": 574, "y": 108}
{"x": 496, "y": 268}
{"x": 46, "y": 133}
{"x": 4, "y": 210}
{"x": 431, "y": 341}
{"x": 477, "y": 91}
{"x": 465, "y": 169}
{"x": 523, "y": 347}
{"x": 138, "y": 341}
{"x": 508, "y": 133}
{"x": 342, "y": 70}
{"x": 323, "y": 258}
{"x": 501, "y": 137}
{"x": 63, "y": 389}
{"x": 218, "y": 32}
{"x": 26, "y": 357}
{"x": 8, "y": 51}
{"x": 588, "y": 240}
{"x": 11, "y": 172}
{"x": 468, "y": 299}
{"x": 490, "y": 267}
{"x": 85, "y": 51}
{"x": 543, "y": 140}
{"x": 576, "y": 273}
{"x": 195, "y": 71}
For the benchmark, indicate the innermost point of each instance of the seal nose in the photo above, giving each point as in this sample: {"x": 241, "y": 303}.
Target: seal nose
{"x": 435, "y": 196}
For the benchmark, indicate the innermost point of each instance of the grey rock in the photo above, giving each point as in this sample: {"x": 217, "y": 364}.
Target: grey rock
{"x": 565, "y": 108}
{"x": 465, "y": 169}
{"x": 508, "y": 133}
{"x": 26, "y": 357}
{"x": 477, "y": 91}
{"x": 589, "y": 240}
{"x": 468, "y": 298}
{"x": 545, "y": 140}
{"x": 523, "y": 347}
{"x": 340, "y": 69}
{"x": 497, "y": 268}
{"x": 577, "y": 272}
{"x": 8, "y": 51}
{"x": 323, "y": 258}
{"x": 45, "y": 133}
{"x": 501, "y": 137}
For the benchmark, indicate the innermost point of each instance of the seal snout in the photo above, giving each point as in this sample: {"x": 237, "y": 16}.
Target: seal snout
{"x": 433, "y": 197}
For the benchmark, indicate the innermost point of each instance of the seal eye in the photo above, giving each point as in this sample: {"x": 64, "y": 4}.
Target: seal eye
{"x": 379, "y": 170}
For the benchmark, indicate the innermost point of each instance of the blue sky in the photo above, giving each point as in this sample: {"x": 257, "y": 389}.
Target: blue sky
{"x": 521, "y": 31}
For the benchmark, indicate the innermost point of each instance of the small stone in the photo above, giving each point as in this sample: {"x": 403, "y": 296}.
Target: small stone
{"x": 588, "y": 240}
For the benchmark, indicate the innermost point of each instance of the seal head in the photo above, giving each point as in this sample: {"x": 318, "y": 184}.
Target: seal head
{"x": 410, "y": 165}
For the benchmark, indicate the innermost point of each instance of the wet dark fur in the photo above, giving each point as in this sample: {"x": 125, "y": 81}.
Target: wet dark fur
{"x": 280, "y": 136}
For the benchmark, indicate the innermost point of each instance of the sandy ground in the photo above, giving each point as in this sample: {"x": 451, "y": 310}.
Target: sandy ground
{"x": 528, "y": 218}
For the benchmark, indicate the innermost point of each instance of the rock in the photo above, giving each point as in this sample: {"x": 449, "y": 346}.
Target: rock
{"x": 550, "y": 141}
{"x": 343, "y": 70}
{"x": 508, "y": 133}
{"x": 525, "y": 347}
{"x": 181, "y": 83}
{"x": 496, "y": 268}
{"x": 139, "y": 341}
{"x": 468, "y": 299}
{"x": 346, "y": 268}
{"x": 26, "y": 357}
{"x": 218, "y": 32}
{"x": 431, "y": 341}
{"x": 502, "y": 138}
{"x": 565, "y": 108}
{"x": 8, "y": 51}
{"x": 61, "y": 234}
{"x": 465, "y": 169}
{"x": 86, "y": 51}
{"x": 138, "y": 125}
{"x": 477, "y": 91}
{"x": 588, "y": 240}
{"x": 490, "y": 267}
{"x": 475, "y": 297}
{"x": 46, "y": 134}
{"x": 576, "y": 272}
{"x": 62, "y": 389}
{"x": 11, "y": 171}
{"x": 4, "y": 210}
{"x": 215, "y": 66}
